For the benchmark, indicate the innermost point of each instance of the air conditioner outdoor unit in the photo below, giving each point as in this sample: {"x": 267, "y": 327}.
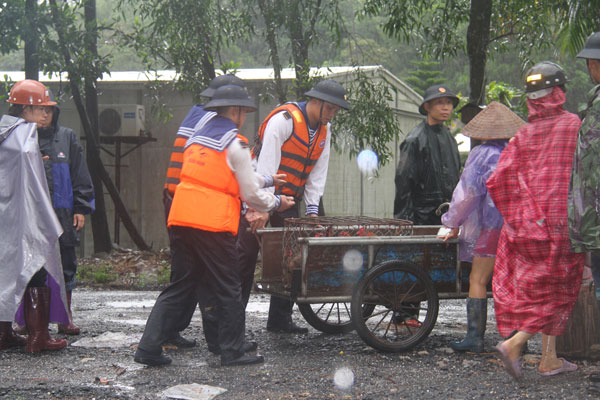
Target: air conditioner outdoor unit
{"x": 121, "y": 119}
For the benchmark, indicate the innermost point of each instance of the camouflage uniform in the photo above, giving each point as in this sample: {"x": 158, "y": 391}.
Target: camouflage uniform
{"x": 584, "y": 189}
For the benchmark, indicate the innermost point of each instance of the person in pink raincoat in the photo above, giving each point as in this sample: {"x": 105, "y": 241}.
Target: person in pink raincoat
{"x": 536, "y": 277}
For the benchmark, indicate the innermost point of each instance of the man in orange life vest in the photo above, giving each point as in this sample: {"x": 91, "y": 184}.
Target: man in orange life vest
{"x": 195, "y": 120}
{"x": 204, "y": 220}
{"x": 294, "y": 139}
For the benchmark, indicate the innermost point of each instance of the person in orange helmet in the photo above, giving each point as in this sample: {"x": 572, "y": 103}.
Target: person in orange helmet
{"x": 30, "y": 260}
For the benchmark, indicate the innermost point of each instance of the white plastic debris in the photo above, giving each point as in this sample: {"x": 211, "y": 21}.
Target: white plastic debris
{"x": 193, "y": 391}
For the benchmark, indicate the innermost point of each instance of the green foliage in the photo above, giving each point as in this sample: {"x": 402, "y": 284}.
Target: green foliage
{"x": 185, "y": 36}
{"x": 500, "y": 92}
{"x": 581, "y": 18}
{"x": 164, "y": 273}
{"x": 425, "y": 74}
{"x": 96, "y": 274}
{"x": 370, "y": 123}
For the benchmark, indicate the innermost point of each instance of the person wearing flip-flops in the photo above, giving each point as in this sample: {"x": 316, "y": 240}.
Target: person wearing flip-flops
{"x": 472, "y": 209}
{"x": 536, "y": 276}
{"x": 584, "y": 218}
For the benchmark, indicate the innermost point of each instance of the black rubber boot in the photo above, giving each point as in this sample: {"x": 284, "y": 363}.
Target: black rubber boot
{"x": 280, "y": 317}
{"x": 476, "y": 323}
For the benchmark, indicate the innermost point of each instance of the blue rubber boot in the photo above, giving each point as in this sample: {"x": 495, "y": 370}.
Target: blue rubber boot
{"x": 476, "y": 322}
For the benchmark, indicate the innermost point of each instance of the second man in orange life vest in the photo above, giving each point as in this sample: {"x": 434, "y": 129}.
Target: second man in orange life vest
{"x": 204, "y": 220}
{"x": 294, "y": 139}
{"x": 195, "y": 120}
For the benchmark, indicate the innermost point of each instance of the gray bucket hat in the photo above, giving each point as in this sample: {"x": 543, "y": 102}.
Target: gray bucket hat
{"x": 591, "y": 48}
{"x": 436, "y": 92}
{"x": 219, "y": 81}
{"x": 230, "y": 96}
{"x": 331, "y": 92}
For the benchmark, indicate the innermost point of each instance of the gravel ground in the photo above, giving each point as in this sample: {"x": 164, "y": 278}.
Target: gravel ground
{"x": 296, "y": 367}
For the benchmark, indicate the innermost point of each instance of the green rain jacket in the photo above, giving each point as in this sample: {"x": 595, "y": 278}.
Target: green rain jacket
{"x": 584, "y": 189}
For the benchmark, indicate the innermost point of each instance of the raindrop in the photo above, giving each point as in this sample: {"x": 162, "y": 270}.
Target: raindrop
{"x": 352, "y": 260}
{"x": 343, "y": 378}
{"x": 367, "y": 162}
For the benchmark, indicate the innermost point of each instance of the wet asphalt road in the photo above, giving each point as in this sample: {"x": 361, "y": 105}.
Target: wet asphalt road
{"x": 296, "y": 367}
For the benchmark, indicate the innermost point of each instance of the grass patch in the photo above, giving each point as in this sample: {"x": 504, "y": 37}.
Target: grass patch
{"x": 96, "y": 274}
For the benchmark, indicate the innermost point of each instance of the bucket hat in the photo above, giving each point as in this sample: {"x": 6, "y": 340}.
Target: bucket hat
{"x": 468, "y": 112}
{"x": 591, "y": 48}
{"x": 219, "y": 81}
{"x": 230, "y": 96}
{"x": 436, "y": 92}
{"x": 496, "y": 121}
{"x": 331, "y": 92}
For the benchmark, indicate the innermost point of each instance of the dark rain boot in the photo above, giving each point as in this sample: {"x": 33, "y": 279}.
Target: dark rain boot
{"x": 70, "y": 329}
{"x": 476, "y": 323}
{"x": 8, "y": 338}
{"x": 280, "y": 317}
{"x": 37, "y": 312}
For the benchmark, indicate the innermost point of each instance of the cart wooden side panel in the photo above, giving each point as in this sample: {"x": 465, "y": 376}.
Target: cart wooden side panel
{"x": 319, "y": 273}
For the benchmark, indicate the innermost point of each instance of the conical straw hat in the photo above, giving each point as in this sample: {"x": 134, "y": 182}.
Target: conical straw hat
{"x": 496, "y": 121}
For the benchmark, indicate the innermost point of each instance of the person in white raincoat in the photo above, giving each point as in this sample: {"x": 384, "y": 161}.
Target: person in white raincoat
{"x": 30, "y": 266}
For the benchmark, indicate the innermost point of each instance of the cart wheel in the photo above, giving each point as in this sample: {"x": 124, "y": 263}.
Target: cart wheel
{"x": 328, "y": 317}
{"x": 404, "y": 305}
{"x": 331, "y": 317}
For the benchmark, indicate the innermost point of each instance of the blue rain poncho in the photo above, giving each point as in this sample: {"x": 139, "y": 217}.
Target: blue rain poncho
{"x": 472, "y": 207}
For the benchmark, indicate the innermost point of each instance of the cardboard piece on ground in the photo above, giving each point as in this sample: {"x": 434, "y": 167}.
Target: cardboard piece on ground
{"x": 193, "y": 391}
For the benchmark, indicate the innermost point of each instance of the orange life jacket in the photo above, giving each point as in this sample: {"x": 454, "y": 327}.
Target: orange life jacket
{"x": 175, "y": 163}
{"x": 196, "y": 118}
{"x": 298, "y": 158}
{"x": 208, "y": 196}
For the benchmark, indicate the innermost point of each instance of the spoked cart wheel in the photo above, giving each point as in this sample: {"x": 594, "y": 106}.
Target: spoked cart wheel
{"x": 404, "y": 305}
{"x": 330, "y": 317}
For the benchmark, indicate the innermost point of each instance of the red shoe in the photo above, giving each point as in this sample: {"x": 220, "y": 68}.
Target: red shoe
{"x": 412, "y": 323}
{"x": 71, "y": 328}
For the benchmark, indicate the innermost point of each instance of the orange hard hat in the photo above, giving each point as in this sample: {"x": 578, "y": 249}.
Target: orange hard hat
{"x": 30, "y": 92}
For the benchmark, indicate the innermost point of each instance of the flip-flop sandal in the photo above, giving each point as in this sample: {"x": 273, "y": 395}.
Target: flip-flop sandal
{"x": 565, "y": 367}
{"x": 512, "y": 367}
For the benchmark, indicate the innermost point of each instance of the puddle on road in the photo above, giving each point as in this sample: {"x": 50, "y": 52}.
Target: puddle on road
{"x": 134, "y": 322}
{"x": 112, "y": 340}
{"x": 131, "y": 304}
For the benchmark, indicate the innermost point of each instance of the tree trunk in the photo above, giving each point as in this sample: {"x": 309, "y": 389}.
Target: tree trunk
{"x": 92, "y": 141}
{"x": 478, "y": 35}
{"x": 32, "y": 59}
{"x": 100, "y": 230}
{"x": 300, "y": 45}
{"x": 267, "y": 13}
